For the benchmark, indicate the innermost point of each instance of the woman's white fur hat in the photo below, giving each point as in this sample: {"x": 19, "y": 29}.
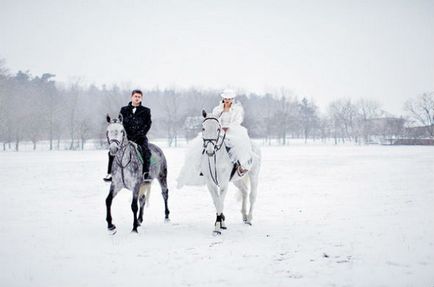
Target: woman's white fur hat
{"x": 228, "y": 94}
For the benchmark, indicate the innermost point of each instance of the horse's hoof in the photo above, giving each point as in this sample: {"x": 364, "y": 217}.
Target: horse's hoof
{"x": 167, "y": 220}
{"x": 134, "y": 230}
{"x": 224, "y": 227}
{"x": 216, "y": 233}
{"x": 112, "y": 230}
{"x": 111, "y": 227}
{"x": 248, "y": 223}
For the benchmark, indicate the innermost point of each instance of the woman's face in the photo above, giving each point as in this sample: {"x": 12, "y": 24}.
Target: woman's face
{"x": 227, "y": 101}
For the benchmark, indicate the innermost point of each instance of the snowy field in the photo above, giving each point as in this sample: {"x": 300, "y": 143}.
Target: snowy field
{"x": 325, "y": 216}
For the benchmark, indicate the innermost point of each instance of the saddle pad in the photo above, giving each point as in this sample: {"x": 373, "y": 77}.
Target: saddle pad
{"x": 138, "y": 149}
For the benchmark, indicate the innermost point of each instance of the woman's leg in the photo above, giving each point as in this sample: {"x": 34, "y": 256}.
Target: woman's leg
{"x": 241, "y": 146}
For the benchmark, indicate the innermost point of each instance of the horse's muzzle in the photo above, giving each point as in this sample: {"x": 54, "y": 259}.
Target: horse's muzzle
{"x": 210, "y": 153}
{"x": 113, "y": 149}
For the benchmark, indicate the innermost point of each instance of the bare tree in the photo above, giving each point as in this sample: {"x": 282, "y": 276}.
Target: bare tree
{"x": 71, "y": 102}
{"x": 52, "y": 102}
{"x": 366, "y": 111}
{"x": 421, "y": 111}
{"x": 342, "y": 114}
{"x": 285, "y": 116}
{"x": 173, "y": 118}
{"x": 5, "y": 132}
{"x": 308, "y": 117}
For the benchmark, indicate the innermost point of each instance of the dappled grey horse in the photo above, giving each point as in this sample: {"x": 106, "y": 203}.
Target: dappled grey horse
{"x": 219, "y": 170}
{"x": 127, "y": 172}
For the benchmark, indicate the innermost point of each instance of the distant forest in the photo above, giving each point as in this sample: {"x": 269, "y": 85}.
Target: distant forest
{"x": 36, "y": 108}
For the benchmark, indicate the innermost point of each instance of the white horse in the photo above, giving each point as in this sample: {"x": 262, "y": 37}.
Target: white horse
{"x": 219, "y": 170}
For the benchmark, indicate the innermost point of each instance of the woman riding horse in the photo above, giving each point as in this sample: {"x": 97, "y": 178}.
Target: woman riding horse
{"x": 230, "y": 113}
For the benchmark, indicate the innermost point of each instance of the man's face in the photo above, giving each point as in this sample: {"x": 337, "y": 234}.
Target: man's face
{"x": 136, "y": 98}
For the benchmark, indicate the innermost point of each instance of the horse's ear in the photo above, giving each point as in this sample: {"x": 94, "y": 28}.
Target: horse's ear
{"x": 121, "y": 118}
{"x": 108, "y": 118}
{"x": 204, "y": 113}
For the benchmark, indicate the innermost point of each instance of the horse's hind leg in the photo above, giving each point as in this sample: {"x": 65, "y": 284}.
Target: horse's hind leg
{"x": 162, "y": 178}
{"x": 242, "y": 186}
{"x": 134, "y": 207}
{"x": 252, "y": 196}
{"x": 108, "y": 203}
{"x": 143, "y": 197}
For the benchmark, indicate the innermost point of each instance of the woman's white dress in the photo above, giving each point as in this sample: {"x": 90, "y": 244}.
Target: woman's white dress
{"x": 237, "y": 140}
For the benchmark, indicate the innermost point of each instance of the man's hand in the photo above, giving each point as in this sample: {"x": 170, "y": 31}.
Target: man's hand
{"x": 225, "y": 129}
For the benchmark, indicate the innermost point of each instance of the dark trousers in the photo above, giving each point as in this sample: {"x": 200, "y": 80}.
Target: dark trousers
{"x": 146, "y": 154}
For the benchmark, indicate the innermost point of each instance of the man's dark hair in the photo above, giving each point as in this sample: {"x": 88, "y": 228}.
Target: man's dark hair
{"x": 137, "y": 92}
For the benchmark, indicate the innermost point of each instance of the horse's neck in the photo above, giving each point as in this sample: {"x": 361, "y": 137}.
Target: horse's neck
{"x": 125, "y": 153}
{"x": 222, "y": 156}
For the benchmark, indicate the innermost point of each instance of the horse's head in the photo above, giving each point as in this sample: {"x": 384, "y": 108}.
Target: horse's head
{"x": 115, "y": 133}
{"x": 211, "y": 131}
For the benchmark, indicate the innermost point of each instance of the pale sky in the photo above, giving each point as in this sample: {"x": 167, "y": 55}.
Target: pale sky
{"x": 322, "y": 50}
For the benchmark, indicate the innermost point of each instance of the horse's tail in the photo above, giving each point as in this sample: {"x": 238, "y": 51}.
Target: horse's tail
{"x": 148, "y": 194}
{"x": 145, "y": 189}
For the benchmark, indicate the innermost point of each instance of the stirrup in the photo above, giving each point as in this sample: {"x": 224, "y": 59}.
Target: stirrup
{"x": 241, "y": 171}
{"x": 108, "y": 177}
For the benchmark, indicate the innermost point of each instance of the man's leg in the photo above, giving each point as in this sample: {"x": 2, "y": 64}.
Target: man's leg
{"x": 146, "y": 152}
{"x": 108, "y": 177}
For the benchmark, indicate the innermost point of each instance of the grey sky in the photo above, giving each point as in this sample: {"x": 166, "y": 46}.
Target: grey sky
{"x": 382, "y": 50}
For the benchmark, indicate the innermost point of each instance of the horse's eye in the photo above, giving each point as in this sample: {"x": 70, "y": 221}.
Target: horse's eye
{"x": 203, "y": 129}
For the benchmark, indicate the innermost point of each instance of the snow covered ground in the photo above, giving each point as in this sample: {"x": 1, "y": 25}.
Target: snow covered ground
{"x": 325, "y": 216}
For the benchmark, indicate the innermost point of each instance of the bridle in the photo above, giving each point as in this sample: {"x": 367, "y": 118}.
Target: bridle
{"x": 213, "y": 141}
{"x": 216, "y": 148}
{"x": 119, "y": 144}
{"x": 122, "y": 147}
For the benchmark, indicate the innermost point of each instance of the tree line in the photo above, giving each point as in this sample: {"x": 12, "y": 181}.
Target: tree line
{"x": 36, "y": 108}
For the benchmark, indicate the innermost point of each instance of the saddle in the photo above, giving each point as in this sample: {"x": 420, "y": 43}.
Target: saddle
{"x": 139, "y": 153}
{"x": 138, "y": 150}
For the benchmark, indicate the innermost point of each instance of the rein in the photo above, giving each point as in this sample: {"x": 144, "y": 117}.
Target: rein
{"x": 217, "y": 147}
{"x": 122, "y": 147}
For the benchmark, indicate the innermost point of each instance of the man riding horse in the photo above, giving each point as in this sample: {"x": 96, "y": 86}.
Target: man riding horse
{"x": 137, "y": 122}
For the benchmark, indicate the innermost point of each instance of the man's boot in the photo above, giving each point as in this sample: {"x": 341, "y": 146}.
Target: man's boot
{"x": 108, "y": 177}
{"x": 146, "y": 175}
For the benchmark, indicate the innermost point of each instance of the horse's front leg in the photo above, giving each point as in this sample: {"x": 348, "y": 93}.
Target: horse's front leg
{"x": 162, "y": 178}
{"x": 135, "y": 208}
{"x": 213, "y": 190}
{"x": 108, "y": 202}
{"x": 223, "y": 192}
{"x": 219, "y": 198}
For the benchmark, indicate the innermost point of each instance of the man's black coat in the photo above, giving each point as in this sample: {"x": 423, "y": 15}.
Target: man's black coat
{"x": 136, "y": 124}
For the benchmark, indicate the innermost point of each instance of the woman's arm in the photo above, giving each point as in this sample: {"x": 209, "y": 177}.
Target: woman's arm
{"x": 238, "y": 115}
